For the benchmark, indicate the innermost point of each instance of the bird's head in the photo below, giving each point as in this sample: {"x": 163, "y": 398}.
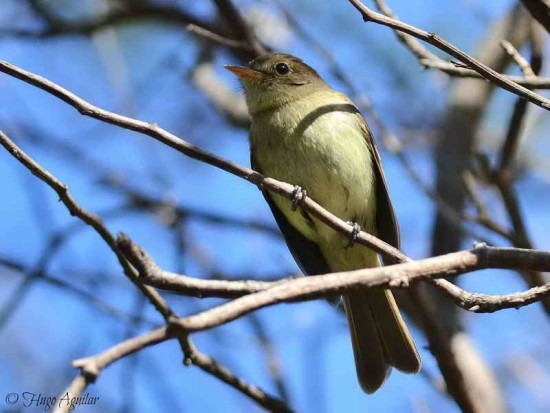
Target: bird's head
{"x": 275, "y": 79}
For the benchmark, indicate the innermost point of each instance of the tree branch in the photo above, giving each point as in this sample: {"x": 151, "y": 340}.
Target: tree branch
{"x": 192, "y": 151}
{"x": 151, "y": 274}
{"x": 394, "y": 276}
{"x": 237, "y": 307}
{"x": 429, "y": 60}
{"x": 92, "y": 367}
{"x": 433, "y": 39}
{"x": 91, "y": 219}
{"x": 211, "y": 366}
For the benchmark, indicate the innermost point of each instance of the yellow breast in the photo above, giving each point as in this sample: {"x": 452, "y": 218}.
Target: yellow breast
{"x": 322, "y": 148}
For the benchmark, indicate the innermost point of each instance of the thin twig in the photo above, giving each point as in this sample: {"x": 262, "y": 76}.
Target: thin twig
{"x": 89, "y": 218}
{"x": 483, "y": 217}
{"x": 192, "y": 151}
{"x": 91, "y": 367}
{"x": 273, "y": 361}
{"x": 484, "y": 303}
{"x": 518, "y": 58}
{"x": 237, "y": 307}
{"x": 396, "y": 276}
{"x": 429, "y": 60}
{"x": 129, "y": 346}
{"x": 433, "y": 39}
{"x": 239, "y": 26}
{"x": 216, "y": 38}
{"x": 458, "y": 71}
{"x": 503, "y": 175}
{"x": 79, "y": 292}
{"x": 213, "y": 367}
{"x": 151, "y": 274}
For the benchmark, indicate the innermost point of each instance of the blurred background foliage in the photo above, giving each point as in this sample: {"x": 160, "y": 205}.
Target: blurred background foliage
{"x": 63, "y": 295}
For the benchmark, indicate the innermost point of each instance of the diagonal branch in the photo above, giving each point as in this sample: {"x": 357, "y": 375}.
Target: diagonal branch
{"x": 440, "y": 348}
{"x": 90, "y": 370}
{"x": 192, "y": 151}
{"x": 87, "y": 217}
{"x": 91, "y": 367}
{"x": 213, "y": 367}
{"x": 455, "y": 69}
{"x": 312, "y": 287}
{"x": 151, "y": 274}
{"x": 481, "y": 257}
{"x": 433, "y": 39}
{"x": 239, "y": 26}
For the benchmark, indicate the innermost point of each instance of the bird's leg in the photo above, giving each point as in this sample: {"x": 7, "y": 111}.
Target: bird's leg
{"x": 354, "y": 234}
{"x": 299, "y": 196}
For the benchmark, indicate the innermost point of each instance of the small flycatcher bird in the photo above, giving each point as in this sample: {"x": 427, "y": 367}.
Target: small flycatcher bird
{"x": 305, "y": 133}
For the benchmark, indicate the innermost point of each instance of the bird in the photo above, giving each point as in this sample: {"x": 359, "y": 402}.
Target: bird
{"x": 305, "y": 133}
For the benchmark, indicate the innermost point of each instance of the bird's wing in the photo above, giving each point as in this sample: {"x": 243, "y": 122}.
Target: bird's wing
{"x": 386, "y": 222}
{"x": 306, "y": 253}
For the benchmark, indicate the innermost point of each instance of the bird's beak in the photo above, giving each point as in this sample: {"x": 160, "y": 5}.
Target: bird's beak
{"x": 243, "y": 72}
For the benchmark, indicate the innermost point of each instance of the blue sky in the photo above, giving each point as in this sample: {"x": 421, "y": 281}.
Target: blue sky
{"x": 52, "y": 327}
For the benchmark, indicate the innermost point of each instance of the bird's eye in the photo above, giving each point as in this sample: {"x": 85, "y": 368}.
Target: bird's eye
{"x": 282, "y": 68}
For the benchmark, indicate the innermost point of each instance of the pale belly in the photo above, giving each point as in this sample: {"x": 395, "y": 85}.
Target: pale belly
{"x": 335, "y": 171}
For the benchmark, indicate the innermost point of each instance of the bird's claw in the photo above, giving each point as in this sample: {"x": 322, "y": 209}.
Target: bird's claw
{"x": 354, "y": 234}
{"x": 299, "y": 196}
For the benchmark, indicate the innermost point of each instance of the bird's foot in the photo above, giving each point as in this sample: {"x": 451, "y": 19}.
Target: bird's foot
{"x": 354, "y": 234}
{"x": 299, "y": 196}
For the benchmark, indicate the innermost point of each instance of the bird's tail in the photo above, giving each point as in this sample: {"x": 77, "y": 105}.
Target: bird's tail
{"x": 380, "y": 338}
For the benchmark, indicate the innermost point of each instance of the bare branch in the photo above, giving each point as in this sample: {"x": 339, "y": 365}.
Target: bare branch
{"x": 511, "y": 142}
{"x": 429, "y": 60}
{"x": 91, "y": 219}
{"x": 395, "y": 276}
{"x": 300, "y": 288}
{"x": 483, "y": 303}
{"x": 211, "y": 366}
{"x": 435, "y": 40}
{"x": 518, "y": 58}
{"x": 216, "y": 38}
{"x": 154, "y": 131}
{"x": 151, "y": 274}
{"x": 240, "y": 27}
{"x": 458, "y": 71}
{"x": 91, "y": 367}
